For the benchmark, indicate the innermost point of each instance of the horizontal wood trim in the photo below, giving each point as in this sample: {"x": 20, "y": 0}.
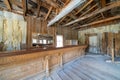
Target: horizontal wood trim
{"x": 36, "y": 50}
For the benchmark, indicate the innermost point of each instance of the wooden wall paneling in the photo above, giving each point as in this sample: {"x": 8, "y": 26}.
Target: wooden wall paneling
{"x": 117, "y": 44}
{"x": 31, "y": 20}
{"x": 75, "y": 34}
{"x": 29, "y": 33}
{"x": 54, "y": 37}
{"x": 110, "y": 43}
{"x": 104, "y": 42}
{"x": 45, "y": 27}
{"x": 34, "y": 25}
{"x": 87, "y": 39}
{"x": 54, "y": 60}
{"x": 37, "y": 26}
{"x": 40, "y": 26}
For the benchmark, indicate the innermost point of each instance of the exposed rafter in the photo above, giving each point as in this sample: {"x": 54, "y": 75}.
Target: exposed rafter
{"x": 88, "y": 10}
{"x": 103, "y": 3}
{"x": 116, "y": 4}
{"x": 38, "y": 9}
{"x": 100, "y": 21}
{"x": 62, "y": 19}
{"x": 24, "y": 2}
{"x": 102, "y": 15}
{"x": 83, "y": 7}
{"x": 48, "y": 13}
{"x": 7, "y": 2}
{"x": 52, "y": 3}
{"x": 93, "y": 19}
{"x": 17, "y": 3}
{"x": 72, "y": 5}
{"x": 67, "y": 1}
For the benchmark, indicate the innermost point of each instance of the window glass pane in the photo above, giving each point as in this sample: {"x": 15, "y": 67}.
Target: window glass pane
{"x": 34, "y": 40}
{"x": 44, "y": 41}
{"x": 40, "y": 41}
{"x": 59, "y": 41}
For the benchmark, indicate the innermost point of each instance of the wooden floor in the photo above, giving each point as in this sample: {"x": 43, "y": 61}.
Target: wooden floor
{"x": 89, "y": 67}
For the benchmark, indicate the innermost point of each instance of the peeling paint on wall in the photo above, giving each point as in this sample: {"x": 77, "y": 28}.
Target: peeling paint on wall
{"x": 12, "y": 30}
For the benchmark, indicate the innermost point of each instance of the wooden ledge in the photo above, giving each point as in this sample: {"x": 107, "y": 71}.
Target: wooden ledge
{"x": 30, "y": 51}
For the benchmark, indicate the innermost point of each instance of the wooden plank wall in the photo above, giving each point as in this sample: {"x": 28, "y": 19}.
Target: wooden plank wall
{"x": 111, "y": 40}
{"x": 68, "y": 33}
{"x": 110, "y": 43}
{"x": 117, "y": 44}
{"x": 104, "y": 42}
{"x": 36, "y": 26}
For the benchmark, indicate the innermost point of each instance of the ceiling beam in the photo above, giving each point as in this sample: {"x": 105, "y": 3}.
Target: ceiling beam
{"x": 67, "y": 1}
{"x": 116, "y": 4}
{"x": 38, "y": 9}
{"x": 83, "y": 7}
{"x": 103, "y": 3}
{"x": 7, "y": 3}
{"x": 89, "y": 10}
{"x": 62, "y": 19}
{"x": 52, "y": 3}
{"x": 100, "y": 21}
{"x": 102, "y": 15}
{"x": 93, "y": 19}
{"x": 17, "y": 3}
{"x": 24, "y": 3}
{"x": 50, "y": 9}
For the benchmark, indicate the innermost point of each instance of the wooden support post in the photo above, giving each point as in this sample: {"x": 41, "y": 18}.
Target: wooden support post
{"x": 113, "y": 47}
{"x": 112, "y": 54}
{"x": 61, "y": 59}
{"x": 47, "y": 66}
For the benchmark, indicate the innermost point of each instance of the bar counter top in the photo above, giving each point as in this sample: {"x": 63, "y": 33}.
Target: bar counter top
{"x": 33, "y": 50}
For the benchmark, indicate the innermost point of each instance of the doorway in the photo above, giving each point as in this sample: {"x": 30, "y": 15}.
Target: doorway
{"x": 93, "y": 44}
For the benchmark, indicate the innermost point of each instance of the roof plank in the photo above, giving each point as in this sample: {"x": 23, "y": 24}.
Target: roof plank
{"x": 100, "y": 21}
{"x": 83, "y": 7}
{"x": 116, "y": 4}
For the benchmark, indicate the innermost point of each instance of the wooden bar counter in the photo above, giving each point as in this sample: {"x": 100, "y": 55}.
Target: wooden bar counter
{"x": 25, "y": 63}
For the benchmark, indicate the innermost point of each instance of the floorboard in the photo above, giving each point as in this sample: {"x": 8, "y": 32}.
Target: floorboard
{"x": 89, "y": 67}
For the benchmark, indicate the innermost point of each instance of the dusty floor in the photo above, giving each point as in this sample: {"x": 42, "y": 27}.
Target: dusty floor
{"x": 89, "y": 67}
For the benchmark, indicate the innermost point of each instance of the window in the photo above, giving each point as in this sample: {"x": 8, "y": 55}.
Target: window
{"x": 59, "y": 41}
{"x": 74, "y": 42}
{"x": 34, "y": 40}
{"x": 44, "y": 41}
{"x": 40, "y": 41}
{"x": 93, "y": 41}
